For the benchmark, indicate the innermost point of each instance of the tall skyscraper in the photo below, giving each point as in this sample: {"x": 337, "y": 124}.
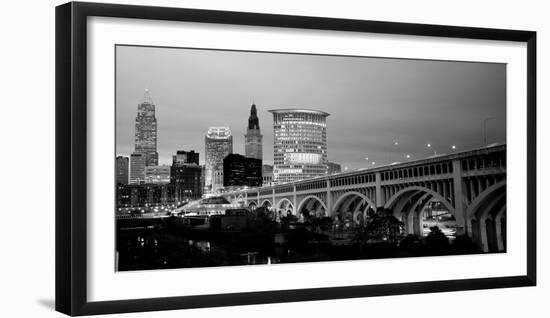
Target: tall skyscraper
{"x": 253, "y": 137}
{"x": 137, "y": 168}
{"x": 218, "y": 144}
{"x": 146, "y": 130}
{"x": 122, "y": 169}
{"x": 299, "y": 144}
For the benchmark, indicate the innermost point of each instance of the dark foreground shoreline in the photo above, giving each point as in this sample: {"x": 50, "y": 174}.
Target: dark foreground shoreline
{"x": 144, "y": 244}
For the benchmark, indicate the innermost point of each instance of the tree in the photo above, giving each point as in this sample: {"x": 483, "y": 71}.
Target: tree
{"x": 360, "y": 236}
{"x": 288, "y": 219}
{"x": 463, "y": 244}
{"x": 325, "y": 223}
{"x": 370, "y": 212}
{"x": 261, "y": 220}
{"x": 410, "y": 242}
{"x": 384, "y": 227}
{"x": 436, "y": 241}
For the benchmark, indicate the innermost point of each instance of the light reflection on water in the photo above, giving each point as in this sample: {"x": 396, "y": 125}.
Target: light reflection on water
{"x": 202, "y": 245}
{"x": 143, "y": 250}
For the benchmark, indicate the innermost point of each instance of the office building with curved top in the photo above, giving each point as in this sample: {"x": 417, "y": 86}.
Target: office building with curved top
{"x": 299, "y": 144}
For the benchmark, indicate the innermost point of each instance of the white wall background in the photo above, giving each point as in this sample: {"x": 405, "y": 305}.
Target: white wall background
{"x": 27, "y": 130}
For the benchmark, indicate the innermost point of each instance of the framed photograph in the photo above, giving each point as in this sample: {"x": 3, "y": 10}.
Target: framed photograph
{"x": 215, "y": 158}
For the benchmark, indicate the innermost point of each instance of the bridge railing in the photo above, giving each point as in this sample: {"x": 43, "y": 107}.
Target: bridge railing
{"x": 434, "y": 167}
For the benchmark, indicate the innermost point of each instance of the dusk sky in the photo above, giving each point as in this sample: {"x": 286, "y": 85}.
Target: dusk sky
{"x": 372, "y": 102}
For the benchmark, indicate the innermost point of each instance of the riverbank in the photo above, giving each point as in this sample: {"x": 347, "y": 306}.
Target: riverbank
{"x": 170, "y": 243}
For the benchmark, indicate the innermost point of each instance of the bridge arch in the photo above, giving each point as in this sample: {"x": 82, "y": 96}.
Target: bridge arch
{"x": 252, "y": 205}
{"x": 286, "y": 207}
{"x": 307, "y": 201}
{"x": 340, "y": 209}
{"x": 406, "y": 193}
{"x": 482, "y": 197}
{"x": 240, "y": 199}
{"x": 485, "y": 218}
{"x": 413, "y": 199}
{"x": 266, "y": 204}
{"x": 412, "y": 217}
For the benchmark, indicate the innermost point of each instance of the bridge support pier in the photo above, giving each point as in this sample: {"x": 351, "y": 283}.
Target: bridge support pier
{"x": 378, "y": 184}
{"x": 329, "y": 200}
{"x": 498, "y": 233}
{"x": 500, "y": 229}
{"x": 460, "y": 208}
{"x": 273, "y": 205}
{"x": 410, "y": 223}
{"x": 483, "y": 235}
{"x": 294, "y": 203}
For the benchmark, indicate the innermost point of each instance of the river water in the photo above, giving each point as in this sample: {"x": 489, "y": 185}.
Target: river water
{"x": 141, "y": 249}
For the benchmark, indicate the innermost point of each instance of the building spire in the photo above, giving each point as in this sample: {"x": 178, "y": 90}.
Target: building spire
{"x": 146, "y": 99}
{"x": 253, "y": 122}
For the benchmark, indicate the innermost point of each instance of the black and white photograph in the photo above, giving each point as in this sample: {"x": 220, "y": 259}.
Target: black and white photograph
{"x": 232, "y": 158}
{"x": 289, "y": 158}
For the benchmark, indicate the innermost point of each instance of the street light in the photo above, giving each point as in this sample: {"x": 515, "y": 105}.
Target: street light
{"x": 390, "y": 152}
{"x": 429, "y": 145}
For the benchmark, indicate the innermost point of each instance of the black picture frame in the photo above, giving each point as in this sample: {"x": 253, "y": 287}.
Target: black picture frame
{"x": 71, "y": 157}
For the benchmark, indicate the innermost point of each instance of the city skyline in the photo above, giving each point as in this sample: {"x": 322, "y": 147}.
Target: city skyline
{"x": 435, "y": 102}
{"x": 317, "y": 114}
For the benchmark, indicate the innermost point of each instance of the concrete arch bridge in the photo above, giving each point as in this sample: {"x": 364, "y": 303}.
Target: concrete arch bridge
{"x": 470, "y": 184}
